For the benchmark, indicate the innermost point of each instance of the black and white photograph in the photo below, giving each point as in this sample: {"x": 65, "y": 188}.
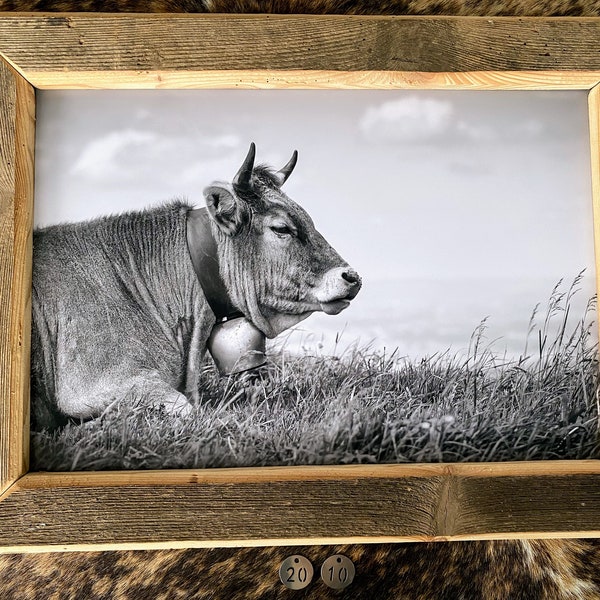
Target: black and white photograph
{"x": 229, "y": 278}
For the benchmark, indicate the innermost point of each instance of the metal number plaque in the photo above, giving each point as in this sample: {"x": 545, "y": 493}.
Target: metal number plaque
{"x": 296, "y": 572}
{"x": 338, "y": 572}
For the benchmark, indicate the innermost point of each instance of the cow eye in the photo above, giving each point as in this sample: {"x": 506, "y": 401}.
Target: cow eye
{"x": 281, "y": 229}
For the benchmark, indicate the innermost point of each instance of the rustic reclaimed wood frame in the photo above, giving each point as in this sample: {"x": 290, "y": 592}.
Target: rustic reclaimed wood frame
{"x": 267, "y": 506}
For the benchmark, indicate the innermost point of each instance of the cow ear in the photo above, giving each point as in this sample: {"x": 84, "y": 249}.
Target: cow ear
{"x": 225, "y": 209}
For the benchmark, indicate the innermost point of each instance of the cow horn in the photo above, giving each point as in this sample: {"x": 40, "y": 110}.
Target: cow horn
{"x": 287, "y": 170}
{"x": 243, "y": 177}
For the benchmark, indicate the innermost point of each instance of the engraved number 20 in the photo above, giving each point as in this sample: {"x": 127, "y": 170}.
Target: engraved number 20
{"x": 302, "y": 574}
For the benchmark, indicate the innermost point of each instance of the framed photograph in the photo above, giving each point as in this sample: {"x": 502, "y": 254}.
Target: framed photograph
{"x": 289, "y": 296}
{"x": 407, "y": 318}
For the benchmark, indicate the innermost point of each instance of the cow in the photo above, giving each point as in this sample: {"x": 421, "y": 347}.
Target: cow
{"x": 119, "y": 307}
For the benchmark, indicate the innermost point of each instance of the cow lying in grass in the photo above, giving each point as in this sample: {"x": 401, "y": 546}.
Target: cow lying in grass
{"x": 118, "y": 307}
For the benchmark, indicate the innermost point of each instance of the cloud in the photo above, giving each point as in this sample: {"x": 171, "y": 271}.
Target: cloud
{"x": 417, "y": 120}
{"x": 476, "y": 130}
{"x": 409, "y": 119}
{"x": 126, "y": 155}
{"x": 101, "y": 157}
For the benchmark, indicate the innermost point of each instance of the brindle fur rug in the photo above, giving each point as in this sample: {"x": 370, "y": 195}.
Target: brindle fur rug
{"x": 580, "y": 8}
{"x": 520, "y": 570}
{"x": 515, "y": 570}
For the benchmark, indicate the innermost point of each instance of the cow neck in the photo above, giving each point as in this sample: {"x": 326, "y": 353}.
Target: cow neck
{"x": 202, "y": 247}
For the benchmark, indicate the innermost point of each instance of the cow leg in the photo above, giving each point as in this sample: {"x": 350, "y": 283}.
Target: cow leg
{"x": 80, "y": 401}
{"x": 152, "y": 390}
{"x": 176, "y": 404}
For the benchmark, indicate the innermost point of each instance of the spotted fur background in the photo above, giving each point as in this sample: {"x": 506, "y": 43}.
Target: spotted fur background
{"x": 581, "y": 8}
{"x": 515, "y": 570}
{"x": 519, "y": 570}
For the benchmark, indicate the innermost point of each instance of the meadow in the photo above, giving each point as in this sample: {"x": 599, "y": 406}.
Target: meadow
{"x": 364, "y": 405}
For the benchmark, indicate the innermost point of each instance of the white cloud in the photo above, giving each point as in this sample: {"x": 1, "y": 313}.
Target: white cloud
{"x": 409, "y": 119}
{"x": 417, "y": 120}
{"x": 102, "y": 157}
{"x": 128, "y": 155}
{"x": 519, "y": 130}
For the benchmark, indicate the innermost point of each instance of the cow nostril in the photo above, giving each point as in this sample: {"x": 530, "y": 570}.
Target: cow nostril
{"x": 351, "y": 277}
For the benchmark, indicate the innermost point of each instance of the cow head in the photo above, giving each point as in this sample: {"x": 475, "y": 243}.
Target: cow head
{"x": 277, "y": 267}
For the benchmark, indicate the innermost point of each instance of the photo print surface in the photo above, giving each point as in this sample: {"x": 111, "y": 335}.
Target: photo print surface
{"x": 418, "y": 287}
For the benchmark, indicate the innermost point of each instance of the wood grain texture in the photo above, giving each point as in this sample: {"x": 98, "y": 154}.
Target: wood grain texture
{"x": 594, "y": 123}
{"x": 300, "y": 505}
{"x": 45, "y": 46}
{"x": 17, "y": 105}
{"x": 329, "y": 80}
{"x": 20, "y": 333}
{"x": 8, "y": 113}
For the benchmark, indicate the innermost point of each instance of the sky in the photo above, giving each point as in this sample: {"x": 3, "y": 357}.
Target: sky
{"x": 453, "y": 205}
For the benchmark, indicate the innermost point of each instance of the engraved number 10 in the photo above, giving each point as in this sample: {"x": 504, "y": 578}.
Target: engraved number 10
{"x": 342, "y": 574}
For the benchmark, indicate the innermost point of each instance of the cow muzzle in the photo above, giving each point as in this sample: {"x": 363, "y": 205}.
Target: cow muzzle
{"x": 338, "y": 287}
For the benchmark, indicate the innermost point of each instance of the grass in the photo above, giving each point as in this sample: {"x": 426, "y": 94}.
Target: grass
{"x": 366, "y": 407}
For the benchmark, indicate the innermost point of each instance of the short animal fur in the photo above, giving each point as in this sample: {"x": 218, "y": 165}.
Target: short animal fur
{"x": 350, "y": 7}
{"x": 503, "y": 570}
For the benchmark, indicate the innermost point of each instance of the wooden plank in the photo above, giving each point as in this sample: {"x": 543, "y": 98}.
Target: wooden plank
{"x": 96, "y": 479}
{"x": 219, "y": 513}
{"x": 132, "y": 44}
{"x": 16, "y": 197}
{"x": 20, "y": 326}
{"x": 280, "y": 506}
{"x": 328, "y": 80}
{"x": 594, "y": 121}
{"x": 526, "y": 506}
{"x": 8, "y": 102}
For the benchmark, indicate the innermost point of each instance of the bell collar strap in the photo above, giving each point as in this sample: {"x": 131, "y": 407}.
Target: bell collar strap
{"x": 202, "y": 247}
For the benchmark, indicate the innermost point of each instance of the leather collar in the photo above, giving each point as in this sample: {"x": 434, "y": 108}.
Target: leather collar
{"x": 203, "y": 252}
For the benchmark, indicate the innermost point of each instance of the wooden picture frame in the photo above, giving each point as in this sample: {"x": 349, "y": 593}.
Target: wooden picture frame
{"x": 268, "y": 506}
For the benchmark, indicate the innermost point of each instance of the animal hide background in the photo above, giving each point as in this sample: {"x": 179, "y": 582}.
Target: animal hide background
{"x": 572, "y": 8}
{"x": 516, "y": 570}
{"x": 553, "y": 569}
